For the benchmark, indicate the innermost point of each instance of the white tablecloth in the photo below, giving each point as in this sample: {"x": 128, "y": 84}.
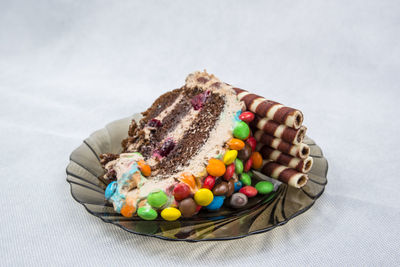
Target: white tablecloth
{"x": 69, "y": 67}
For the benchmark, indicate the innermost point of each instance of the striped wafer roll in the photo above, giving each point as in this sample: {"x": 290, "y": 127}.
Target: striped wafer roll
{"x": 300, "y": 151}
{"x": 281, "y": 131}
{"x": 301, "y": 165}
{"x": 270, "y": 109}
{"x": 285, "y": 174}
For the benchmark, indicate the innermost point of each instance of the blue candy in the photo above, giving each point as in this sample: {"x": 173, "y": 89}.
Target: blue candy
{"x": 236, "y": 118}
{"x": 110, "y": 190}
{"x": 238, "y": 185}
{"x": 216, "y": 203}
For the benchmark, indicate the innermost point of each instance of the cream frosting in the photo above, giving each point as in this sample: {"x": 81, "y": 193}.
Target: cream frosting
{"x": 213, "y": 147}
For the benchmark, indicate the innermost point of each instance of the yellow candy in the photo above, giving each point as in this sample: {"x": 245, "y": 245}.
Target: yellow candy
{"x": 203, "y": 197}
{"x": 170, "y": 214}
{"x": 230, "y": 157}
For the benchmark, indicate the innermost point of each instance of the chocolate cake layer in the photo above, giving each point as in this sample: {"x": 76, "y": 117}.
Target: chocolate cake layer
{"x": 195, "y": 137}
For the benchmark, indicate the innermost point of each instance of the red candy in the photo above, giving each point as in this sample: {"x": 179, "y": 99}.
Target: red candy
{"x": 252, "y": 142}
{"x": 209, "y": 182}
{"x": 230, "y": 170}
{"x": 181, "y": 191}
{"x": 249, "y": 191}
{"x": 248, "y": 164}
{"x": 247, "y": 116}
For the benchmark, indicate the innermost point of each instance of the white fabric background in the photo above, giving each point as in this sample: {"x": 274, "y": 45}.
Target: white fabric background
{"x": 69, "y": 67}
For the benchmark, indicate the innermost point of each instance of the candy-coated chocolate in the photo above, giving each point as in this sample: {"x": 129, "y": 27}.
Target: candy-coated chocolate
{"x": 231, "y": 188}
{"x": 216, "y": 167}
{"x": 264, "y": 187}
{"x": 245, "y": 178}
{"x": 181, "y": 191}
{"x": 216, "y": 204}
{"x": 203, "y": 196}
{"x": 230, "y": 170}
{"x": 248, "y": 164}
{"x": 220, "y": 189}
{"x": 238, "y": 185}
{"x": 235, "y": 144}
{"x": 238, "y": 166}
{"x": 170, "y": 214}
{"x": 257, "y": 160}
{"x": 157, "y": 199}
{"x": 110, "y": 190}
{"x": 241, "y": 130}
{"x": 230, "y": 156}
{"x": 252, "y": 142}
{"x": 209, "y": 182}
{"x": 144, "y": 168}
{"x": 188, "y": 179}
{"x": 147, "y": 213}
{"x": 128, "y": 210}
{"x": 238, "y": 200}
{"x": 247, "y": 116}
{"x": 245, "y": 153}
{"x": 249, "y": 191}
{"x": 188, "y": 207}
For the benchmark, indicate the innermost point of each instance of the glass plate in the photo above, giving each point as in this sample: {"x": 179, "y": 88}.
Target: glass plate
{"x": 261, "y": 214}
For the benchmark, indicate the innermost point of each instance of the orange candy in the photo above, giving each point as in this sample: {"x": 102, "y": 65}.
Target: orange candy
{"x": 236, "y": 144}
{"x": 144, "y": 168}
{"x": 128, "y": 210}
{"x": 257, "y": 160}
{"x": 216, "y": 167}
{"x": 188, "y": 179}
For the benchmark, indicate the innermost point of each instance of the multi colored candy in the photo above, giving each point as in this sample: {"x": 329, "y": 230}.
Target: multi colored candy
{"x": 230, "y": 156}
{"x": 209, "y": 182}
{"x": 147, "y": 213}
{"x": 235, "y": 144}
{"x": 230, "y": 170}
{"x": 216, "y": 167}
{"x": 264, "y": 187}
{"x": 170, "y": 214}
{"x": 238, "y": 200}
{"x": 157, "y": 199}
{"x": 249, "y": 191}
{"x": 188, "y": 207}
{"x": 247, "y": 116}
{"x": 241, "y": 130}
{"x": 238, "y": 166}
{"x": 181, "y": 191}
{"x": 245, "y": 178}
{"x": 203, "y": 197}
{"x": 216, "y": 204}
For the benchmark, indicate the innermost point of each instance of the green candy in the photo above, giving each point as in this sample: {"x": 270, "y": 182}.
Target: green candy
{"x": 264, "y": 187}
{"x": 238, "y": 166}
{"x": 245, "y": 178}
{"x": 241, "y": 130}
{"x": 147, "y": 213}
{"x": 157, "y": 199}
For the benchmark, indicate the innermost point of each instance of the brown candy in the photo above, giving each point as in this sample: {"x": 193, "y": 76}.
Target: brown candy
{"x": 245, "y": 153}
{"x": 231, "y": 188}
{"x": 187, "y": 207}
{"x": 220, "y": 189}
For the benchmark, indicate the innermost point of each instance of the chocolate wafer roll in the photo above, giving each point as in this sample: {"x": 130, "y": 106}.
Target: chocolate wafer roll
{"x": 299, "y": 151}
{"x": 281, "y": 131}
{"x": 284, "y": 174}
{"x": 270, "y": 109}
{"x": 301, "y": 165}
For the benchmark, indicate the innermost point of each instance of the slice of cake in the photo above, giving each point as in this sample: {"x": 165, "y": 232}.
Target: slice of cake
{"x": 193, "y": 148}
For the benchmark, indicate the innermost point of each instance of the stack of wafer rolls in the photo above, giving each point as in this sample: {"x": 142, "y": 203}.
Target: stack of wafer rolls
{"x": 279, "y": 132}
